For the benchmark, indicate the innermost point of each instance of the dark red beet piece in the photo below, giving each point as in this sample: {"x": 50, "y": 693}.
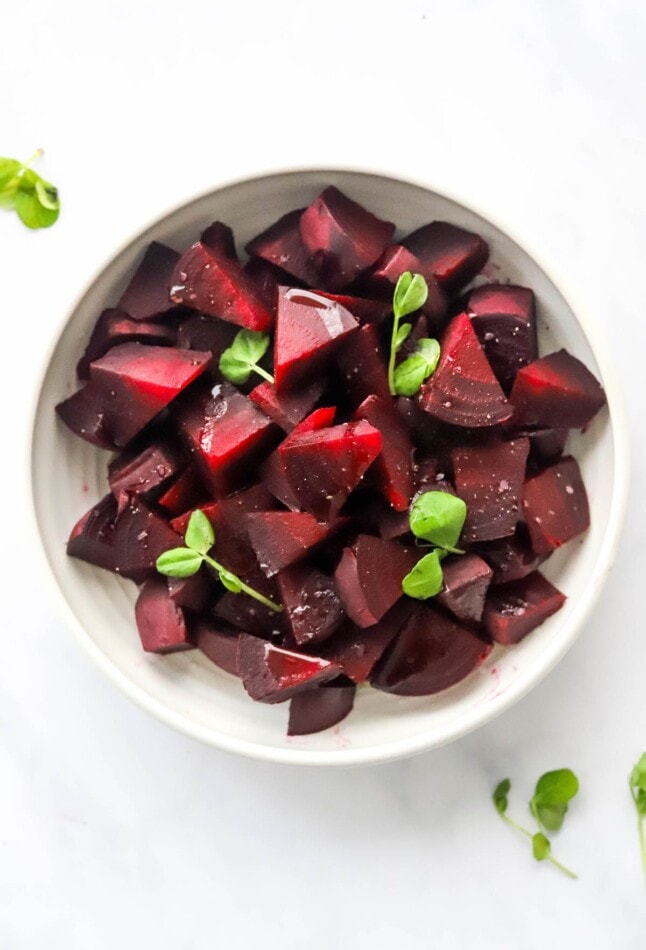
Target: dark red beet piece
{"x": 233, "y": 546}
{"x": 287, "y": 409}
{"x": 510, "y": 558}
{"x": 273, "y": 471}
{"x": 145, "y": 473}
{"x": 136, "y": 382}
{"x": 489, "y": 479}
{"x": 342, "y": 238}
{"x": 381, "y": 279}
{"x": 309, "y": 329}
{"x": 160, "y": 621}
{"x": 311, "y": 603}
{"x": 183, "y": 494}
{"x": 547, "y": 445}
{"x": 556, "y": 391}
{"x": 362, "y": 365}
{"x": 466, "y": 581}
{"x": 193, "y": 593}
{"x": 365, "y": 310}
{"x": 219, "y": 287}
{"x": 323, "y": 468}
{"x": 218, "y": 238}
{"x": 84, "y": 414}
{"x": 555, "y": 506}
{"x": 227, "y": 435}
{"x": 454, "y": 255}
{"x": 319, "y": 708}
{"x": 504, "y": 319}
{"x": 514, "y": 610}
{"x": 220, "y": 643}
{"x": 431, "y": 652}
{"x": 202, "y": 332}
{"x": 128, "y": 542}
{"x": 356, "y": 649}
{"x": 422, "y": 427}
{"x": 245, "y": 613}
{"x": 369, "y": 577}
{"x": 463, "y": 390}
{"x": 393, "y": 467}
{"x": 266, "y": 279}
{"x": 114, "y": 327}
{"x": 146, "y": 296}
{"x": 209, "y": 508}
{"x": 273, "y": 675}
{"x": 393, "y": 524}
{"x": 282, "y": 246}
{"x": 281, "y": 538}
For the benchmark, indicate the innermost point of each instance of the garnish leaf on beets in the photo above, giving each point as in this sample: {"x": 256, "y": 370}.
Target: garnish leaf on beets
{"x": 438, "y": 517}
{"x": 411, "y": 373}
{"x": 410, "y": 294}
{"x": 637, "y": 783}
{"x": 500, "y": 794}
{"x": 199, "y": 533}
{"x": 230, "y": 581}
{"x": 179, "y": 562}
{"x": 551, "y": 798}
{"x": 241, "y": 359}
{"x": 35, "y": 200}
{"x": 425, "y": 579}
{"x": 541, "y": 847}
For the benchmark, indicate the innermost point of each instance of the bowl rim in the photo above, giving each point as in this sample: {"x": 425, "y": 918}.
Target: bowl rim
{"x": 472, "y": 719}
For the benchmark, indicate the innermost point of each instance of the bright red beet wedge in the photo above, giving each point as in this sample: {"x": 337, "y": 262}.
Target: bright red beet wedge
{"x": 271, "y": 674}
{"x": 557, "y": 390}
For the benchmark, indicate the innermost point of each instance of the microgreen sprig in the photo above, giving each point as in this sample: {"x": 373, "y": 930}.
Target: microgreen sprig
{"x": 411, "y": 292}
{"x": 637, "y": 785}
{"x": 21, "y": 189}
{"x": 436, "y": 517}
{"x": 186, "y": 561}
{"x": 241, "y": 359}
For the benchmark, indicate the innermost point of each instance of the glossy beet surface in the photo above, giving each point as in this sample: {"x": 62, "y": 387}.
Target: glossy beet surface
{"x": 466, "y": 582}
{"x": 557, "y": 390}
{"x": 220, "y": 643}
{"x": 504, "y": 318}
{"x": 281, "y": 245}
{"x": 271, "y": 674}
{"x": 489, "y": 479}
{"x": 146, "y": 296}
{"x": 555, "y": 506}
{"x": 160, "y": 621}
{"x": 319, "y": 708}
{"x": 144, "y": 473}
{"x": 313, "y": 608}
{"x": 281, "y": 538}
{"x": 369, "y": 577}
{"x": 454, "y": 255}
{"x": 394, "y": 464}
{"x": 356, "y": 650}
{"x": 514, "y": 610}
{"x": 287, "y": 409}
{"x": 114, "y": 327}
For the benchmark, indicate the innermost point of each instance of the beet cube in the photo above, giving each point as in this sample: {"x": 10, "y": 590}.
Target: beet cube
{"x": 357, "y": 649}
{"x": 319, "y": 708}
{"x": 185, "y": 493}
{"x": 199, "y": 331}
{"x": 84, "y": 414}
{"x": 273, "y": 675}
{"x": 342, "y": 238}
{"x": 381, "y": 279}
{"x": 311, "y": 603}
{"x": 114, "y": 327}
{"x": 219, "y": 287}
{"x": 556, "y": 391}
{"x": 136, "y": 382}
{"x": 309, "y": 328}
{"x": 160, "y": 621}
{"x": 454, "y": 255}
{"x": 266, "y": 279}
{"x": 364, "y": 309}
{"x": 466, "y": 581}
{"x": 510, "y": 558}
{"x": 208, "y": 508}
{"x": 369, "y": 577}
{"x": 393, "y": 467}
{"x": 323, "y": 468}
{"x": 245, "y": 613}
{"x": 504, "y": 319}
{"x": 233, "y": 546}
{"x": 287, "y": 409}
{"x": 146, "y": 296}
{"x": 281, "y": 538}
{"x": 555, "y": 506}
{"x": 282, "y": 246}
{"x": 220, "y": 643}
{"x": 219, "y": 240}
{"x": 273, "y": 470}
{"x": 463, "y": 390}
{"x": 192, "y": 593}
{"x": 547, "y": 445}
{"x": 431, "y": 652}
{"x": 144, "y": 473}
{"x": 489, "y": 479}
{"x": 362, "y": 365}
{"x": 514, "y": 610}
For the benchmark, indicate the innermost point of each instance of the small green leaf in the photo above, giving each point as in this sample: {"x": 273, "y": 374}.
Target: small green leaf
{"x": 540, "y": 846}
{"x": 410, "y": 294}
{"x": 640, "y": 801}
{"x": 430, "y": 350}
{"x": 638, "y": 774}
{"x": 556, "y": 788}
{"x": 411, "y": 373}
{"x": 9, "y": 181}
{"x": 199, "y": 533}
{"x": 240, "y": 359}
{"x": 47, "y": 195}
{"x": 403, "y": 332}
{"x": 234, "y": 369}
{"x": 500, "y": 796}
{"x": 426, "y": 578}
{"x": 31, "y": 212}
{"x": 438, "y": 517}
{"x": 9, "y": 168}
{"x": 230, "y": 581}
{"x": 179, "y": 562}
{"x": 549, "y": 817}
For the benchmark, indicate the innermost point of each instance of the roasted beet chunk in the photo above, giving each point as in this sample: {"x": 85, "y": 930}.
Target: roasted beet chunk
{"x": 556, "y": 391}
{"x": 504, "y": 319}
{"x": 362, "y": 365}
{"x": 463, "y": 390}
{"x": 357, "y": 649}
{"x": 273, "y": 470}
{"x": 547, "y": 445}
{"x": 218, "y": 238}
{"x": 311, "y": 603}
{"x": 226, "y": 433}
{"x": 319, "y": 708}
{"x": 281, "y": 538}
{"x": 247, "y": 614}
{"x": 84, "y": 414}
{"x": 466, "y": 581}
{"x": 309, "y": 328}
{"x": 160, "y": 621}
{"x": 342, "y": 238}
{"x": 136, "y": 382}
{"x": 282, "y": 246}
{"x": 510, "y": 558}
{"x": 555, "y": 505}
{"x": 369, "y": 577}
{"x": 364, "y": 309}
{"x": 323, "y": 468}
{"x": 287, "y": 409}
{"x": 431, "y": 652}
{"x": 219, "y": 287}
{"x": 454, "y": 255}
{"x": 146, "y": 296}
{"x": 202, "y": 332}
{"x": 381, "y": 279}
{"x": 394, "y": 466}
{"x": 273, "y": 675}
{"x": 193, "y": 593}
{"x": 183, "y": 494}
{"x": 114, "y": 327}
{"x": 144, "y": 473}
{"x": 220, "y": 643}
{"x": 514, "y": 610}
{"x": 489, "y": 479}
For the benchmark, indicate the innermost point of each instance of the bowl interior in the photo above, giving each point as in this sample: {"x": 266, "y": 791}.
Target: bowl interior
{"x": 186, "y": 690}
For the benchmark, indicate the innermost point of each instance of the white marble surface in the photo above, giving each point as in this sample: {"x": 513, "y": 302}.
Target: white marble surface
{"x": 115, "y": 831}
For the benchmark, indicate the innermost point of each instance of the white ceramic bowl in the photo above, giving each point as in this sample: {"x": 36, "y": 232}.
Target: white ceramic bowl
{"x": 186, "y": 690}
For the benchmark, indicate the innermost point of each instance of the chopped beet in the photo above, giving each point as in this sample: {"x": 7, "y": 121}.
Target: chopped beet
{"x": 394, "y": 466}
{"x": 199, "y": 331}
{"x": 556, "y": 391}
{"x": 463, "y": 390}
{"x": 209, "y": 508}
{"x": 321, "y": 418}
{"x": 183, "y": 493}
{"x": 160, "y": 621}
{"x": 273, "y": 471}
{"x": 273, "y": 675}
{"x": 454, "y": 255}
{"x": 146, "y": 296}
{"x": 510, "y": 558}
{"x": 114, "y": 327}
{"x": 218, "y": 238}
{"x": 193, "y": 593}
{"x": 362, "y": 364}
{"x": 266, "y": 279}
{"x": 357, "y": 649}
{"x": 220, "y": 643}
{"x": 145, "y": 473}
{"x": 555, "y": 506}
{"x": 393, "y": 524}
{"x": 227, "y": 434}
{"x": 84, "y": 414}
{"x": 422, "y": 427}
{"x": 504, "y": 319}
{"x": 287, "y": 409}
{"x": 381, "y": 279}
{"x": 311, "y": 603}
{"x": 547, "y": 445}
{"x": 369, "y": 577}
{"x": 323, "y": 468}
{"x": 514, "y": 610}
{"x": 364, "y": 309}
{"x": 136, "y": 382}
{"x": 309, "y": 329}
{"x": 431, "y": 652}
{"x": 282, "y": 246}
{"x": 466, "y": 581}
{"x": 247, "y": 614}
{"x": 219, "y": 287}
{"x": 319, "y": 708}
{"x": 489, "y": 479}
{"x": 127, "y": 542}
{"x": 281, "y": 538}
